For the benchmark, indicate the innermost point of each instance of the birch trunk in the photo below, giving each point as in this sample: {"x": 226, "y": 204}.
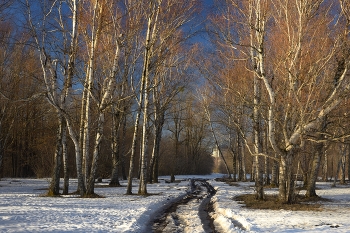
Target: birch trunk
{"x": 311, "y": 184}
{"x": 316, "y": 163}
{"x": 325, "y": 164}
{"x": 107, "y": 90}
{"x": 267, "y": 179}
{"x": 144, "y": 145}
{"x": 158, "y": 127}
{"x": 152, "y": 24}
{"x": 259, "y": 179}
{"x": 274, "y": 173}
{"x": 282, "y": 190}
{"x": 135, "y": 135}
{"x": 95, "y": 31}
{"x": 65, "y": 160}
{"x": 54, "y": 188}
{"x": 123, "y": 149}
{"x": 116, "y": 122}
{"x": 133, "y": 147}
{"x": 144, "y": 142}
{"x": 344, "y": 152}
{"x": 156, "y": 170}
{"x": 234, "y": 159}
{"x": 91, "y": 180}
{"x": 286, "y": 181}
{"x": 78, "y": 161}
{"x": 239, "y": 157}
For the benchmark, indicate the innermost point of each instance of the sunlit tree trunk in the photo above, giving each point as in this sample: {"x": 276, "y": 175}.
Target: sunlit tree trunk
{"x": 150, "y": 36}
{"x": 97, "y": 8}
{"x": 136, "y": 131}
{"x": 257, "y": 19}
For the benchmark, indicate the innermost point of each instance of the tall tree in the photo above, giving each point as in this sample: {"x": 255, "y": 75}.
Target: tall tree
{"x": 56, "y": 65}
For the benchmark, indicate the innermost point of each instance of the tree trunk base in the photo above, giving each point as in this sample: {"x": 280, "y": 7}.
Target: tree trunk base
{"x": 172, "y": 178}
{"x": 114, "y": 184}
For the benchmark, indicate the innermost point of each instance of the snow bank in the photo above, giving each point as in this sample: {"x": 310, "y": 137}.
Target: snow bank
{"x": 226, "y": 216}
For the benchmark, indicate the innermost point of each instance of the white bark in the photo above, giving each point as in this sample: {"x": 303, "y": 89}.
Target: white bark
{"x": 65, "y": 160}
{"x": 133, "y": 149}
{"x": 150, "y": 39}
{"x": 89, "y": 80}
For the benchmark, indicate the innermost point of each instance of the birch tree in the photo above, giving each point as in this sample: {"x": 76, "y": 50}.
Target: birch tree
{"x": 258, "y": 17}
{"x": 53, "y": 65}
{"x": 142, "y": 93}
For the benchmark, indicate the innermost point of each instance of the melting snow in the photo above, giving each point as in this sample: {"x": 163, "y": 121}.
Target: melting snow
{"x": 22, "y": 209}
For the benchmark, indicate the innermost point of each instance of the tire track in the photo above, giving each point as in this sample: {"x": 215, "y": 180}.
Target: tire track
{"x": 189, "y": 214}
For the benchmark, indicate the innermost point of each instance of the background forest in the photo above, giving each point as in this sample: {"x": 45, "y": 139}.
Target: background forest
{"x": 122, "y": 89}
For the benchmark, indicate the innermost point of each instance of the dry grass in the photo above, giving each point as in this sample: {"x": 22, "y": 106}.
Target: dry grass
{"x": 271, "y": 202}
{"x": 93, "y": 195}
{"x": 228, "y": 181}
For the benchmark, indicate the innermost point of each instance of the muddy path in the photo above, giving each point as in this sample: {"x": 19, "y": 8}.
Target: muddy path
{"x": 191, "y": 213}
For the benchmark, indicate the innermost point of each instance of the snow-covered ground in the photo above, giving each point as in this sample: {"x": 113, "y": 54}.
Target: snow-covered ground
{"x": 334, "y": 217}
{"x": 22, "y": 209}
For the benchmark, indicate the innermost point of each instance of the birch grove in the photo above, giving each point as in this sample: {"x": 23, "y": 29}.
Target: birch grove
{"x": 136, "y": 89}
{"x": 291, "y": 47}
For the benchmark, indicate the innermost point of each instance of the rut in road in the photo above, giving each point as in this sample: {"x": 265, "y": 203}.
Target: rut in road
{"x": 189, "y": 214}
